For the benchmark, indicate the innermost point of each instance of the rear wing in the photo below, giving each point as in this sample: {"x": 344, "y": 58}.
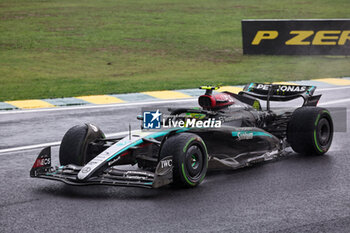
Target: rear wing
{"x": 281, "y": 92}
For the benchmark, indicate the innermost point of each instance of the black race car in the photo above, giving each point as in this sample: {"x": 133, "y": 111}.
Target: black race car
{"x": 182, "y": 155}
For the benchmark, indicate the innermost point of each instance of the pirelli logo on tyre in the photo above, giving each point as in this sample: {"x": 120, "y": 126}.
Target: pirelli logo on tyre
{"x": 296, "y": 37}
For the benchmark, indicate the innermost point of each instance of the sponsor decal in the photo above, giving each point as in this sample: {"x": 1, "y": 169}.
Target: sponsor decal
{"x": 41, "y": 162}
{"x": 290, "y": 88}
{"x": 324, "y": 37}
{"x": 164, "y": 166}
{"x": 113, "y": 161}
{"x": 198, "y": 116}
{"x": 141, "y": 173}
{"x": 166, "y": 163}
{"x": 296, "y": 37}
{"x": 245, "y": 135}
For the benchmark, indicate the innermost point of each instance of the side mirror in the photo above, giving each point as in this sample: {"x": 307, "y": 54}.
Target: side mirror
{"x": 139, "y": 117}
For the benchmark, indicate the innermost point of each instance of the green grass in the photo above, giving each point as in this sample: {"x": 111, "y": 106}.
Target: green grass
{"x": 61, "y": 48}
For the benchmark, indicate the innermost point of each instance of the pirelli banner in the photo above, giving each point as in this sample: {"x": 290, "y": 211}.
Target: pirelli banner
{"x": 296, "y": 37}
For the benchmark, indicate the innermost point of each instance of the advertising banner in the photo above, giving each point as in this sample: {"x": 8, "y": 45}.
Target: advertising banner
{"x": 296, "y": 37}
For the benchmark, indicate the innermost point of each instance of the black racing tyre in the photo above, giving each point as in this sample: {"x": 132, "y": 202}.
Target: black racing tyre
{"x": 310, "y": 130}
{"x": 75, "y": 148}
{"x": 190, "y": 158}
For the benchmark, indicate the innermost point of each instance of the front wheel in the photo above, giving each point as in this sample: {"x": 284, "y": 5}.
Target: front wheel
{"x": 310, "y": 130}
{"x": 75, "y": 148}
{"x": 190, "y": 158}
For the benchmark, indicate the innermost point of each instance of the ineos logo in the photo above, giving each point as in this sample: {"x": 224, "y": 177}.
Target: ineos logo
{"x": 45, "y": 161}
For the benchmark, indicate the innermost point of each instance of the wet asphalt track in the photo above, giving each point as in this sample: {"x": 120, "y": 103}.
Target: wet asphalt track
{"x": 294, "y": 194}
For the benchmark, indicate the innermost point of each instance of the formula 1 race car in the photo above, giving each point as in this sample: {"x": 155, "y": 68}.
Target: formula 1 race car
{"x": 182, "y": 155}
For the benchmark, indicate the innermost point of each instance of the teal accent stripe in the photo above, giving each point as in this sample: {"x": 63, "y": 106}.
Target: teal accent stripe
{"x": 125, "y": 148}
{"x": 182, "y": 130}
{"x": 310, "y": 89}
{"x": 250, "y": 86}
{"x": 153, "y": 135}
{"x": 255, "y": 133}
{"x": 157, "y": 134}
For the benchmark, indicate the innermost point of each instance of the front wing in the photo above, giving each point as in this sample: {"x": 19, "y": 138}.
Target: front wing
{"x": 109, "y": 176}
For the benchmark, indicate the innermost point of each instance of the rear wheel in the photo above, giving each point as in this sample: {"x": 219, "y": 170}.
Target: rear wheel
{"x": 310, "y": 130}
{"x": 75, "y": 147}
{"x": 190, "y": 159}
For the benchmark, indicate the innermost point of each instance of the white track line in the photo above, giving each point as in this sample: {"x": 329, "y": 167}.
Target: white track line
{"x": 30, "y": 147}
{"x": 14, "y": 149}
{"x": 335, "y": 102}
{"x": 333, "y": 88}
